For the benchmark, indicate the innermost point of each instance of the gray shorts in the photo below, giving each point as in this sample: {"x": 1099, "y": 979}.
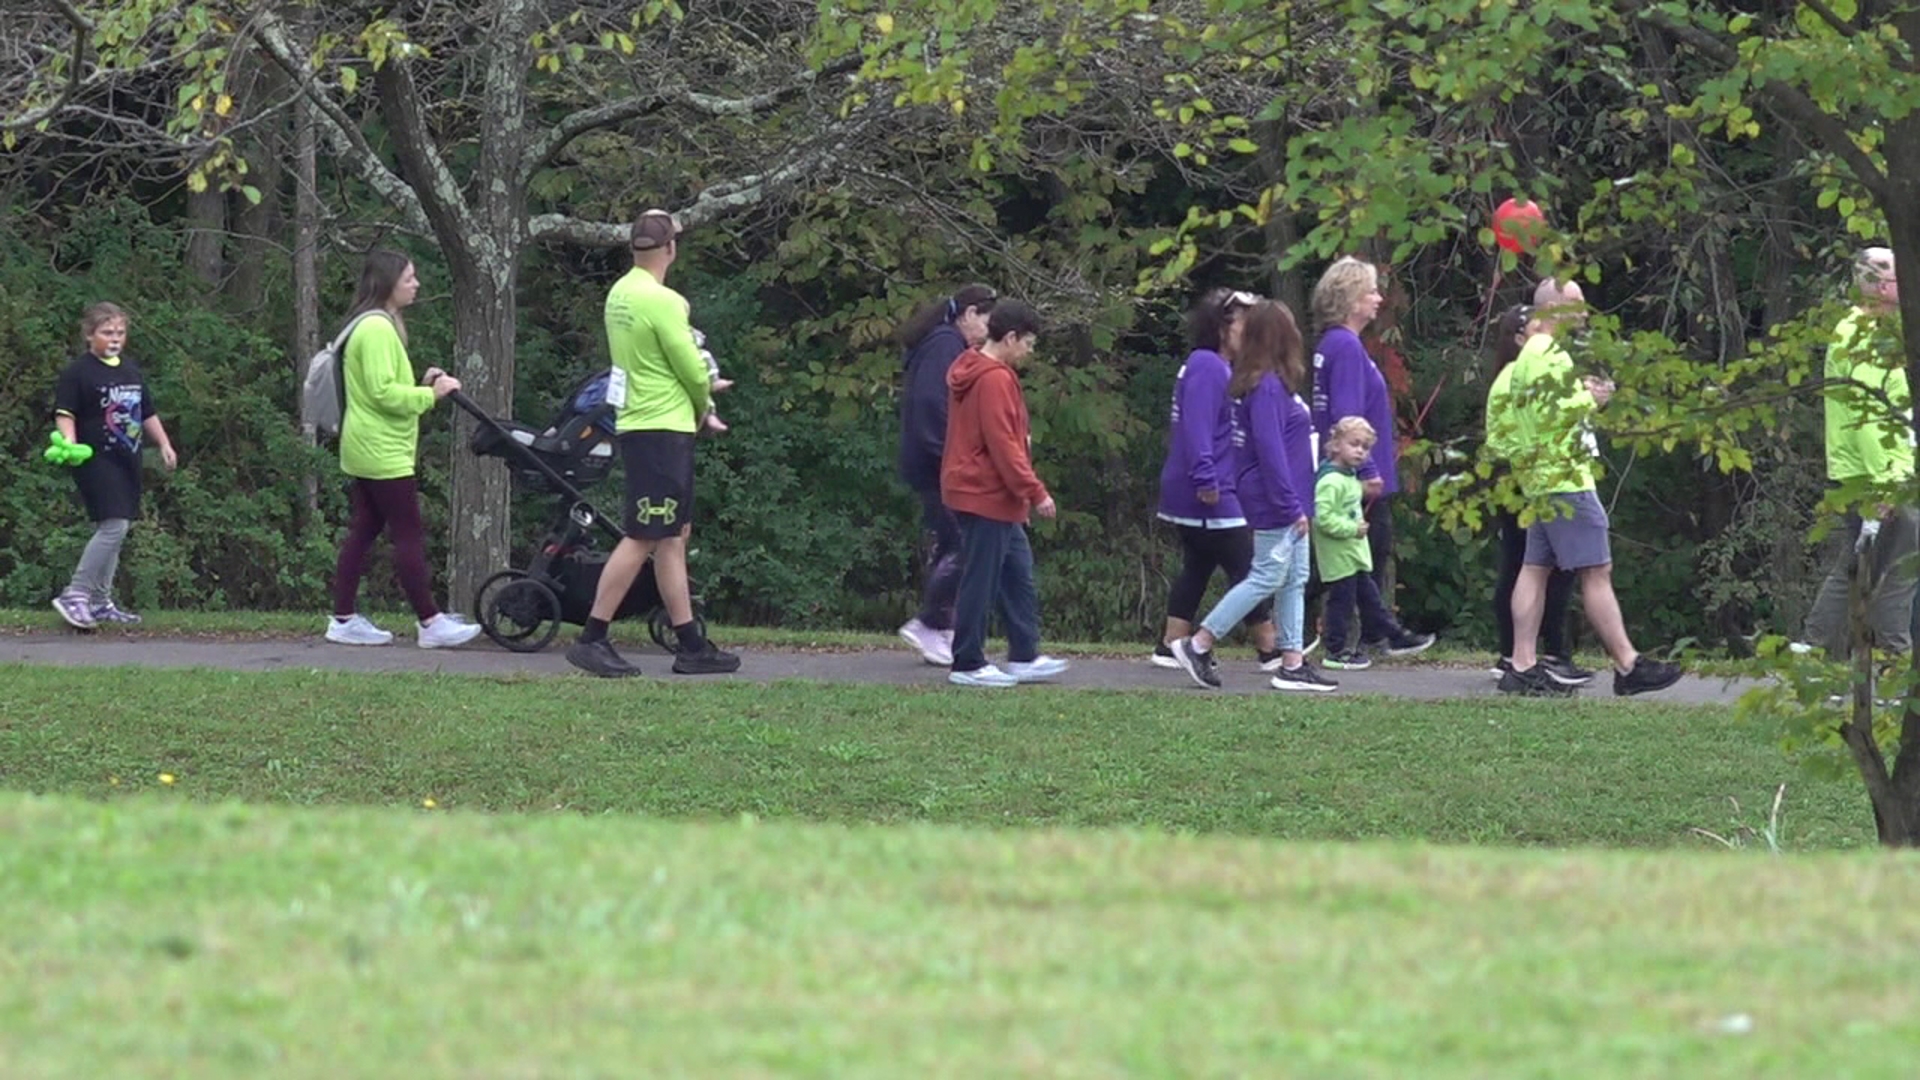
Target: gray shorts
{"x": 1572, "y": 538}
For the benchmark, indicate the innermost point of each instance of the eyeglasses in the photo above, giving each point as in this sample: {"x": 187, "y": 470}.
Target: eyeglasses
{"x": 1238, "y": 299}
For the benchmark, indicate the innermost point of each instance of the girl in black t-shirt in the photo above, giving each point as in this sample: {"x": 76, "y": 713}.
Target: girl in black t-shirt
{"x": 102, "y": 401}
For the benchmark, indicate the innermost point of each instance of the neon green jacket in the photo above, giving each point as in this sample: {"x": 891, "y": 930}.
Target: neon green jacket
{"x": 1537, "y": 414}
{"x": 380, "y": 430}
{"x": 1338, "y": 548}
{"x": 1863, "y": 440}
{"x": 651, "y": 341}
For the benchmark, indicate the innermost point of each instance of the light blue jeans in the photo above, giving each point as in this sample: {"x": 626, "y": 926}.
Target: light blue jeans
{"x": 1282, "y": 559}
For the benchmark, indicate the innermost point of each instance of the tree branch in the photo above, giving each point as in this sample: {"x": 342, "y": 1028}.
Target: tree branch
{"x": 1789, "y": 100}
{"x": 82, "y": 26}
{"x": 715, "y": 202}
{"x": 348, "y": 142}
{"x": 576, "y": 124}
{"x": 1840, "y": 26}
{"x": 431, "y": 180}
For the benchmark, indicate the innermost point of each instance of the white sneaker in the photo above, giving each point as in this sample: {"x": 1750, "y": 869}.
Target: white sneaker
{"x": 987, "y": 676}
{"x": 936, "y": 647}
{"x": 446, "y": 630}
{"x": 1038, "y": 669}
{"x": 356, "y": 630}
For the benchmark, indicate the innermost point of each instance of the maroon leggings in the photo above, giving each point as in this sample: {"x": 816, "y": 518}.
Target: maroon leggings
{"x": 393, "y": 505}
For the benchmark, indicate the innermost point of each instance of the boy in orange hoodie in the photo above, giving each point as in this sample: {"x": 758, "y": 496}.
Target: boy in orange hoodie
{"x": 987, "y": 480}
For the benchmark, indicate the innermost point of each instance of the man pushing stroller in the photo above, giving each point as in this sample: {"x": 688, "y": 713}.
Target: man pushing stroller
{"x": 660, "y": 388}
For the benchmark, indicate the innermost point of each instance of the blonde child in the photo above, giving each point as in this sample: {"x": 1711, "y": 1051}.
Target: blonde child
{"x": 1341, "y": 552}
{"x": 102, "y": 402}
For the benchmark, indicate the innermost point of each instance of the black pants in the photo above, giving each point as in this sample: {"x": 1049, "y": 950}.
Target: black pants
{"x": 1553, "y": 628}
{"x": 943, "y": 562}
{"x": 1202, "y": 551}
{"x": 1343, "y": 596}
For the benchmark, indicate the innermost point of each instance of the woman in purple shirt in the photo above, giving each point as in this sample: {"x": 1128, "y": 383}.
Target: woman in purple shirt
{"x": 1197, "y": 494}
{"x": 1274, "y": 440}
{"x": 1346, "y": 382}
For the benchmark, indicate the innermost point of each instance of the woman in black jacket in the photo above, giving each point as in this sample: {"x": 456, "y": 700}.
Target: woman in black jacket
{"x": 932, "y": 338}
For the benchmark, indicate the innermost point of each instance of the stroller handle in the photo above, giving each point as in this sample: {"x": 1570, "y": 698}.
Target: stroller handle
{"x": 529, "y": 458}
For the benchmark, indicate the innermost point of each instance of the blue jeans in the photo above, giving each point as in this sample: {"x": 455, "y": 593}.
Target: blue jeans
{"x": 996, "y": 571}
{"x": 1281, "y": 564}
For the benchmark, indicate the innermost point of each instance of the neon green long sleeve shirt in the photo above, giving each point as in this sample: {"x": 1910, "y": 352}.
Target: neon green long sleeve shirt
{"x": 380, "y": 430}
{"x": 651, "y": 341}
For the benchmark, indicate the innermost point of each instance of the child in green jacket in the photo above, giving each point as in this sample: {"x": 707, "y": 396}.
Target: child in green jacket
{"x": 1345, "y": 561}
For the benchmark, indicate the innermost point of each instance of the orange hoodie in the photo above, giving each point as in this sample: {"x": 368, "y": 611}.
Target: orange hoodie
{"x": 986, "y": 468}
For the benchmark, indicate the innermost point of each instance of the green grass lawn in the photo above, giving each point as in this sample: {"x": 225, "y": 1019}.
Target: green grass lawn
{"x": 1523, "y": 772}
{"x": 158, "y": 936}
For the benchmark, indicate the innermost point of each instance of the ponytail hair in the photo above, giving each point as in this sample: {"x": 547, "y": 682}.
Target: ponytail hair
{"x": 944, "y": 312}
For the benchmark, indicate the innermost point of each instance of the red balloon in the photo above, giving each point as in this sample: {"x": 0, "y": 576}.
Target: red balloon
{"x": 1517, "y": 225}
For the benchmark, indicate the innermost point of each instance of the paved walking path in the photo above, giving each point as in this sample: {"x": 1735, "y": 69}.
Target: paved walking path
{"x": 892, "y": 667}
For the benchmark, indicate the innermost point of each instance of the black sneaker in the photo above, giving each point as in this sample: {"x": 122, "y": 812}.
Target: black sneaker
{"x": 1270, "y": 661}
{"x": 1198, "y": 665}
{"x": 1532, "y": 682}
{"x": 1406, "y": 644}
{"x": 1647, "y": 676}
{"x": 1163, "y": 657}
{"x": 1303, "y": 678}
{"x": 1500, "y": 666}
{"x": 1565, "y": 672}
{"x": 708, "y": 661}
{"x": 598, "y": 658}
{"x": 1351, "y": 660}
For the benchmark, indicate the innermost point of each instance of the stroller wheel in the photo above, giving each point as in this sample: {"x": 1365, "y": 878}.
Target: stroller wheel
{"x": 518, "y": 612}
{"x": 660, "y": 628}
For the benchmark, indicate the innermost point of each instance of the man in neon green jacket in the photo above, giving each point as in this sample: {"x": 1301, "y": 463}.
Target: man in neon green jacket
{"x": 659, "y": 389}
{"x": 1869, "y": 413}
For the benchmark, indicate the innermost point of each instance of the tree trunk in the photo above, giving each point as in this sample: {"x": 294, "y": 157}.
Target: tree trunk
{"x": 306, "y": 266}
{"x": 1899, "y": 817}
{"x": 257, "y": 225}
{"x": 206, "y": 228}
{"x": 485, "y": 314}
{"x": 1282, "y": 230}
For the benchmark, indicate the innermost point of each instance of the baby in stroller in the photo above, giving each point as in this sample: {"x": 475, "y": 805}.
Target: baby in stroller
{"x": 715, "y": 384}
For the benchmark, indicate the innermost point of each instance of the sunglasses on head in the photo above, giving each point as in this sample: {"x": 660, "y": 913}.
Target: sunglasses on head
{"x": 1238, "y": 299}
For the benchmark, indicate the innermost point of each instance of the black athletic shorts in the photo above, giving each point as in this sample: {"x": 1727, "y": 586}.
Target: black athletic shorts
{"x": 659, "y": 468}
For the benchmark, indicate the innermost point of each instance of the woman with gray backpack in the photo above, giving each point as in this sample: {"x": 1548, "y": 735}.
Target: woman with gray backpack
{"x": 379, "y": 425}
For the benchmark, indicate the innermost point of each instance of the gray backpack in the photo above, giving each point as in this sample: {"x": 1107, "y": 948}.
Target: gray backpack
{"x": 323, "y": 398}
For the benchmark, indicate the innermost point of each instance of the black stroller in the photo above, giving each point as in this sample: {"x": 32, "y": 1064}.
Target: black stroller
{"x": 522, "y": 608}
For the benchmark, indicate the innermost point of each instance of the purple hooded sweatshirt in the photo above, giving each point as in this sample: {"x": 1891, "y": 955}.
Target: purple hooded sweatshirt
{"x": 1346, "y": 382}
{"x": 1273, "y": 435}
{"x": 1200, "y": 450}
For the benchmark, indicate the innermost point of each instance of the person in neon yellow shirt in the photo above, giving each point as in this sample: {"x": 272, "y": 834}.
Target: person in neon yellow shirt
{"x": 660, "y": 389}
{"x": 1869, "y": 421}
{"x": 1537, "y": 422}
{"x": 379, "y": 440}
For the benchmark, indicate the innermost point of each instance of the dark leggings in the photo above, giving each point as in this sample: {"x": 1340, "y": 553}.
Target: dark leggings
{"x": 1553, "y": 628}
{"x": 392, "y": 505}
{"x": 943, "y": 563}
{"x": 1202, "y": 551}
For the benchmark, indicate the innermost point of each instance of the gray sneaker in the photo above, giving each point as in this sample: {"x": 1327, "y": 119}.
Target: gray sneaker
{"x": 74, "y": 608}
{"x": 1303, "y": 678}
{"x": 108, "y": 612}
